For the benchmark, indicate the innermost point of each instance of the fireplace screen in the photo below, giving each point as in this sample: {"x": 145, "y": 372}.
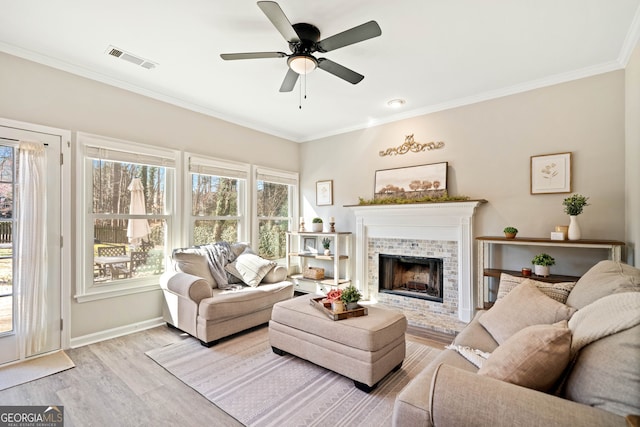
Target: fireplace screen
{"x": 411, "y": 276}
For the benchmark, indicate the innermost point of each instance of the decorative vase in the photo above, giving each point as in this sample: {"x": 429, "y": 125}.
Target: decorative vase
{"x": 574, "y": 232}
{"x": 352, "y": 305}
{"x": 327, "y": 252}
{"x": 541, "y": 270}
{"x": 510, "y": 235}
{"x": 316, "y": 227}
{"x": 337, "y": 306}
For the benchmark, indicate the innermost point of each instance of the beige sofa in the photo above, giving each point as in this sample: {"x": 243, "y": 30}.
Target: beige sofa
{"x": 209, "y": 310}
{"x": 550, "y": 364}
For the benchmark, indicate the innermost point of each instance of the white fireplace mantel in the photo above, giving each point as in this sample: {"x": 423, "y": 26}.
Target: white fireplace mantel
{"x": 452, "y": 221}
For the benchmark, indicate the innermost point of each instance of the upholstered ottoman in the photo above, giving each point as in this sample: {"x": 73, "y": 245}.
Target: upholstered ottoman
{"x": 364, "y": 349}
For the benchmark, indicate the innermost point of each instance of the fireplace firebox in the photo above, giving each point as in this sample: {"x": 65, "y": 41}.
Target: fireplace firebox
{"x": 411, "y": 276}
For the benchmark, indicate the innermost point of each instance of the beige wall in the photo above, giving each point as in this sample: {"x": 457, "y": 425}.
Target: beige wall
{"x": 632, "y": 128}
{"x": 488, "y": 146}
{"x": 34, "y": 93}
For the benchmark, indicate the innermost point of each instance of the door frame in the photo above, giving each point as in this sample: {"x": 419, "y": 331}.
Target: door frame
{"x": 66, "y": 191}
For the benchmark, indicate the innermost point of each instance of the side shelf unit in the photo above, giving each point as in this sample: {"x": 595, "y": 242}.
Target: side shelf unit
{"x": 306, "y": 247}
{"x": 484, "y": 263}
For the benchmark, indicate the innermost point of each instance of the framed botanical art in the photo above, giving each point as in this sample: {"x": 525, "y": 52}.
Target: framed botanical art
{"x": 411, "y": 182}
{"x": 324, "y": 193}
{"x": 551, "y": 173}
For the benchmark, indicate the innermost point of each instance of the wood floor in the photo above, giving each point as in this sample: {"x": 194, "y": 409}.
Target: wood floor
{"x": 115, "y": 384}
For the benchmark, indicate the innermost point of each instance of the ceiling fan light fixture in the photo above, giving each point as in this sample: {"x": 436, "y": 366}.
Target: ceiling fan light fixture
{"x": 396, "y": 103}
{"x": 302, "y": 64}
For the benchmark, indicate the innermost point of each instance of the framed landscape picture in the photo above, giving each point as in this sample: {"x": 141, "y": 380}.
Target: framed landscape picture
{"x": 411, "y": 182}
{"x": 551, "y": 173}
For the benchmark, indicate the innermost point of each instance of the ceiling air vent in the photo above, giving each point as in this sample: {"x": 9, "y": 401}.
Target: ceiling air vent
{"x": 130, "y": 57}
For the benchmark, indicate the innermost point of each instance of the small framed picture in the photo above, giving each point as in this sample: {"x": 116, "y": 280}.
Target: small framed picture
{"x": 309, "y": 244}
{"x": 324, "y": 193}
{"x": 551, "y": 173}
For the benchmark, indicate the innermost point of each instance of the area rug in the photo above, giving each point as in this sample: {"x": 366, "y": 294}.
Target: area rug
{"x": 33, "y": 369}
{"x": 244, "y": 378}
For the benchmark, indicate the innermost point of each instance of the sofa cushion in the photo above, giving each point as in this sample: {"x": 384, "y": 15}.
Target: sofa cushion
{"x": 558, "y": 291}
{"x": 192, "y": 261}
{"x": 533, "y": 357}
{"x": 250, "y": 268}
{"x": 524, "y": 306}
{"x": 606, "y": 374}
{"x": 226, "y": 304}
{"x": 604, "y": 278}
{"x": 275, "y": 275}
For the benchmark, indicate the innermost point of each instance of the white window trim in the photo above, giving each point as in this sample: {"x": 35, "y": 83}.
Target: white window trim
{"x": 278, "y": 176}
{"x": 194, "y": 163}
{"x": 86, "y": 289}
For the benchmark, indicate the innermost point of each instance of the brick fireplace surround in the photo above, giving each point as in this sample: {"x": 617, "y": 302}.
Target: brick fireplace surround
{"x": 437, "y": 230}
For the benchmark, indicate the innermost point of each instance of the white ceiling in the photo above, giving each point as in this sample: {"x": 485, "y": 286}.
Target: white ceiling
{"x": 435, "y": 54}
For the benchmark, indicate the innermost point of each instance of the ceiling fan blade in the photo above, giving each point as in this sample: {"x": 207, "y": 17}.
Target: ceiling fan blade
{"x": 357, "y": 34}
{"x": 339, "y": 71}
{"x": 279, "y": 20}
{"x": 252, "y": 55}
{"x": 289, "y": 81}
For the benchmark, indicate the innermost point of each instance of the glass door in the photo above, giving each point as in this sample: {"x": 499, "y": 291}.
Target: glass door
{"x": 10, "y": 314}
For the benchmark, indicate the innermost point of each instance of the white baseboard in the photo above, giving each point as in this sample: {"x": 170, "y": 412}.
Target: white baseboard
{"x": 115, "y": 332}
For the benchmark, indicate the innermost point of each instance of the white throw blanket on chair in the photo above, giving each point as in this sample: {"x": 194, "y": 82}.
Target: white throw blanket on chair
{"x": 603, "y": 317}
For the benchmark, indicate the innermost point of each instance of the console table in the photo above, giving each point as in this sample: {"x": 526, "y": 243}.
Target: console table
{"x": 484, "y": 265}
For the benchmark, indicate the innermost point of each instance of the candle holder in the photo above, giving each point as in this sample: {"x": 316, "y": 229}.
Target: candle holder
{"x": 332, "y": 227}
{"x": 301, "y": 229}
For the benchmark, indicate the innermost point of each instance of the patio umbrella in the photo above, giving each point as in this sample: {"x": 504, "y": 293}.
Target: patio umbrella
{"x": 137, "y": 229}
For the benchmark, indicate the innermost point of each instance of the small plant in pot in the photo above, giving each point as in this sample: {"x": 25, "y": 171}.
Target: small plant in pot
{"x": 510, "y": 232}
{"x": 350, "y": 296}
{"x": 541, "y": 263}
{"x": 326, "y": 242}
{"x": 316, "y": 224}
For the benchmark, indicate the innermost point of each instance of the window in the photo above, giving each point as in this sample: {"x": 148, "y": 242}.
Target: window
{"x": 129, "y": 198}
{"x": 7, "y": 190}
{"x": 218, "y": 208}
{"x": 276, "y": 200}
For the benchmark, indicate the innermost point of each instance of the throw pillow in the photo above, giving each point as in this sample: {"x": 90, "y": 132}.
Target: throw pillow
{"x": 250, "y": 268}
{"x": 191, "y": 261}
{"x": 557, "y": 291}
{"x": 534, "y": 357}
{"x": 524, "y": 306}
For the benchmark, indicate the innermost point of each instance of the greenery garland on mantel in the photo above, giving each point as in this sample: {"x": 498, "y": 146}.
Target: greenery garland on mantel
{"x": 421, "y": 200}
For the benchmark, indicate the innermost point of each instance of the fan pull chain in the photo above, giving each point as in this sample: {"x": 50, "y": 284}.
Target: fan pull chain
{"x": 303, "y": 80}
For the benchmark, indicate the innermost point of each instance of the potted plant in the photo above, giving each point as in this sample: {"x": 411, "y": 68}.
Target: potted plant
{"x": 350, "y": 296}
{"x": 326, "y": 242}
{"x": 541, "y": 263}
{"x": 510, "y": 232}
{"x": 316, "y": 224}
{"x": 573, "y": 207}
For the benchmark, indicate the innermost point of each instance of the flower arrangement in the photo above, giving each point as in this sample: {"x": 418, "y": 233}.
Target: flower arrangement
{"x": 574, "y": 204}
{"x": 326, "y": 242}
{"x": 334, "y": 295}
{"x": 316, "y": 220}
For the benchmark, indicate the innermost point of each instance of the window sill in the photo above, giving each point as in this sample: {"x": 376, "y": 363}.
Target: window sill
{"x": 98, "y": 293}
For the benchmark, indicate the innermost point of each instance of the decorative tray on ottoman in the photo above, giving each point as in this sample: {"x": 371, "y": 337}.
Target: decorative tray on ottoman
{"x": 326, "y": 309}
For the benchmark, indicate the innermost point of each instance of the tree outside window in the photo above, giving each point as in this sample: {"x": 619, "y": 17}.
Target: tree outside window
{"x": 274, "y": 206}
{"x": 214, "y": 208}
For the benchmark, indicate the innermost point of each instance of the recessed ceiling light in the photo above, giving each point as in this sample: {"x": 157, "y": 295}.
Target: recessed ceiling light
{"x": 396, "y": 103}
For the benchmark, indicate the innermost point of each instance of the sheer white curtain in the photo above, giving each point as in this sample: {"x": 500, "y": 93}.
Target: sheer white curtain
{"x": 31, "y": 257}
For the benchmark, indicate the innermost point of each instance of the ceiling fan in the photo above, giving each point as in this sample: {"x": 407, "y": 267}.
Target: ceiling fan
{"x": 304, "y": 40}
